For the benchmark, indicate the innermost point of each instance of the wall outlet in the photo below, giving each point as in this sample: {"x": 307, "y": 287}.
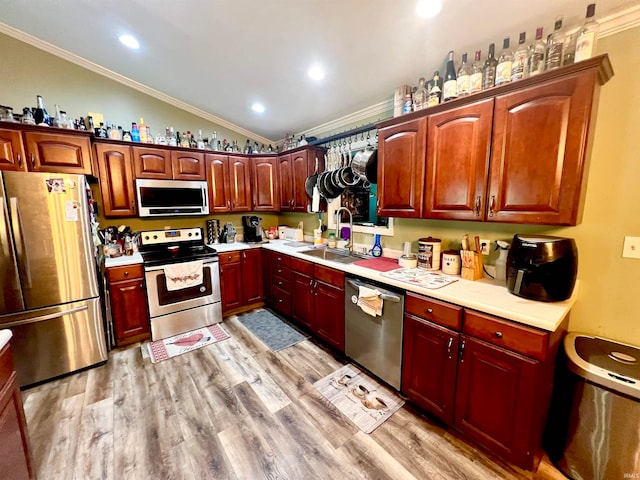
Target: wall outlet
{"x": 485, "y": 246}
{"x": 631, "y": 248}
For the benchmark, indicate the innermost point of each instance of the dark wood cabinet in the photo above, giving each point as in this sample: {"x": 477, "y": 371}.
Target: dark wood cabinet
{"x": 495, "y": 399}
{"x": 15, "y": 457}
{"x": 401, "y": 166}
{"x": 458, "y": 147}
{"x": 266, "y": 275}
{"x": 240, "y": 280}
{"x": 302, "y": 293}
{"x": 188, "y": 165}
{"x": 281, "y": 283}
{"x": 128, "y": 299}
{"x": 11, "y": 150}
{"x": 58, "y": 153}
{"x": 266, "y": 195}
{"x": 539, "y": 152}
{"x": 229, "y": 180}
{"x": 240, "y": 183}
{"x": 115, "y": 171}
{"x": 152, "y": 162}
{"x": 285, "y": 172}
{"x": 329, "y": 305}
{"x": 293, "y": 169}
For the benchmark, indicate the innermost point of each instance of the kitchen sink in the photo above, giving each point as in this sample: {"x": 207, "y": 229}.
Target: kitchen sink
{"x": 335, "y": 255}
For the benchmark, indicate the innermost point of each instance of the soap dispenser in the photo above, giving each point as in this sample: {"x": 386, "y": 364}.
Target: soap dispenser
{"x": 376, "y": 250}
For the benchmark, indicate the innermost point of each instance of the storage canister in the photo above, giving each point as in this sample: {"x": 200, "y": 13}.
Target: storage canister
{"x": 451, "y": 262}
{"x": 429, "y": 253}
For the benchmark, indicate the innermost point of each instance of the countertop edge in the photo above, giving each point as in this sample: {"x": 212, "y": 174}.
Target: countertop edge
{"x": 5, "y": 336}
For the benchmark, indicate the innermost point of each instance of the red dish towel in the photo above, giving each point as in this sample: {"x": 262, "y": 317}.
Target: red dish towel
{"x": 382, "y": 264}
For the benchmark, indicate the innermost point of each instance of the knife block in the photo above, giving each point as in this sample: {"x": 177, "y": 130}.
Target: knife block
{"x": 472, "y": 266}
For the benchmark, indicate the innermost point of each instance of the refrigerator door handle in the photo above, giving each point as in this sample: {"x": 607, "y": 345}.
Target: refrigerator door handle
{"x": 4, "y": 232}
{"x": 16, "y": 225}
{"x": 44, "y": 317}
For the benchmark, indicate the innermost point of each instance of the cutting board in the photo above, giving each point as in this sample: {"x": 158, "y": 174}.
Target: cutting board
{"x": 381, "y": 264}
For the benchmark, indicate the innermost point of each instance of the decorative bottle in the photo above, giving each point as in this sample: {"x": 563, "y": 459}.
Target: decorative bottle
{"x": 587, "y": 36}
{"x": 519, "y": 61}
{"x": 475, "y": 79}
{"x": 450, "y": 87}
{"x": 463, "y": 79}
{"x": 489, "y": 68}
{"x": 555, "y": 45}
{"x": 503, "y": 69}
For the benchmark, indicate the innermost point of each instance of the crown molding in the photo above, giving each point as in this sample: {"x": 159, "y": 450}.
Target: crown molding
{"x": 619, "y": 22}
{"x": 105, "y": 72}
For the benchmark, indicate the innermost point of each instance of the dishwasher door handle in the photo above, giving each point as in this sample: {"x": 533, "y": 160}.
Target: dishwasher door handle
{"x": 383, "y": 296}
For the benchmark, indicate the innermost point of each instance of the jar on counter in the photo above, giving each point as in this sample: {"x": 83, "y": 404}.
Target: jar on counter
{"x": 429, "y": 253}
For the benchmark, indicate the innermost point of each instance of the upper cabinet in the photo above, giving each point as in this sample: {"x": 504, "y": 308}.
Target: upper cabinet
{"x": 188, "y": 165}
{"x": 115, "y": 172}
{"x": 229, "y": 179}
{"x": 266, "y": 196}
{"x": 152, "y": 162}
{"x": 39, "y": 149}
{"x": 294, "y": 168}
{"x": 516, "y": 153}
{"x": 401, "y": 162}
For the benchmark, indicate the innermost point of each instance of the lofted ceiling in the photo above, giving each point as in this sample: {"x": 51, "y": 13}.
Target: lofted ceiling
{"x": 220, "y": 56}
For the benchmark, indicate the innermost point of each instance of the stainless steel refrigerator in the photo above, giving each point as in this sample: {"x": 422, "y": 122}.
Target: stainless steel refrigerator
{"x": 48, "y": 284}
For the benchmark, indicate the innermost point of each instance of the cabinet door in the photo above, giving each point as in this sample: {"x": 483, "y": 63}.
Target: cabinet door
{"x": 188, "y": 165}
{"x": 218, "y": 181}
{"x": 299, "y": 173}
{"x": 429, "y": 364}
{"x": 538, "y": 152}
{"x": 58, "y": 153}
{"x": 266, "y": 196}
{"x": 129, "y": 311}
{"x": 302, "y": 299}
{"x": 251, "y": 276}
{"x": 329, "y": 314}
{"x": 152, "y": 163}
{"x": 240, "y": 184}
{"x": 401, "y": 164}
{"x": 115, "y": 171}
{"x": 11, "y": 150}
{"x": 266, "y": 274}
{"x": 231, "y": 286}
{"x": 495, "y": 399}
{"x": 458, "y": 144}
{"x": 285, "y": 172}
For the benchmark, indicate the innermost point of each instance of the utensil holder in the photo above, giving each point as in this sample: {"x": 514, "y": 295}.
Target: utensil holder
{"x": 472, "y": 267}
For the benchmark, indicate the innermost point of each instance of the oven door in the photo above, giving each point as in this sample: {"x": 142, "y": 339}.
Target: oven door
{"x": 162, "y": 301}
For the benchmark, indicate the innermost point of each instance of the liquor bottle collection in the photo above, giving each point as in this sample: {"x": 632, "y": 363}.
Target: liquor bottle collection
{"x": 511, "y": 64}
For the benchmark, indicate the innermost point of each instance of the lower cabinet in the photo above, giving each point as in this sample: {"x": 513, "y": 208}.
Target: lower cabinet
{"x": 128, "y": 298}
{"x": 488, "y": 377}
{"x": 240, "y": 280}
{"x": 15, "y": 459}
{"x": 281, "y": 283}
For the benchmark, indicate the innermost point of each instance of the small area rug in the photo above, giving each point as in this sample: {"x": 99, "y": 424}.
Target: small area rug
{"x": 271, "y": 330}
{"x": 360, "y": 398}
{"x": 185, "y": 342}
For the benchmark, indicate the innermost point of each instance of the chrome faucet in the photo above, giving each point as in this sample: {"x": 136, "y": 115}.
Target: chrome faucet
{"x": 350, "y": 244}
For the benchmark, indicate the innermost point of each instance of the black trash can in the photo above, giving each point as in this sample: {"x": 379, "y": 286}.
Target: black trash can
{"x": 594, "y": 423}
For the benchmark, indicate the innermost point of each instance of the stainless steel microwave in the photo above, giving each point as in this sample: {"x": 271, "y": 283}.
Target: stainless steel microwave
{"x": 157, "y": 198}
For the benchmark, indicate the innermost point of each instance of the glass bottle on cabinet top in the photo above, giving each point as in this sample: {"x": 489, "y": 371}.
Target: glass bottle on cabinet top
{"x": 555, "y": 45}
{"x": 450, "y": 88}
{"x": 435, "y": 95}
{"x": 587, "y": 36}
{"x": 519, "y": 61}
{"x": 475, "y": 77}
{"x": 489, "y": 69}
{"x": 537, "y": 52}
{"x": 503, "y": 69}
{"x": 463, "y": 79}
{"x": 420, "y": 95}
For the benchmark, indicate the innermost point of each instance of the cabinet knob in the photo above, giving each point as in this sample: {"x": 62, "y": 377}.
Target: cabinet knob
{"x": 498, "y": 334}
{"x": 429, "y": 310}
{"x": 126, "y": 274}
{"x": 279, "y": 300}
{"x": 279, "y": 284}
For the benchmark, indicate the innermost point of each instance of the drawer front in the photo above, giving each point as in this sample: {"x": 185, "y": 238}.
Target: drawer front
{"x": 442, "y": 313}
{"x": 280, "y": 259}
{"x": 281, "y": 271}
{"x": 282, "y": 283}
{"x": 329, "y": 275}
{"x": 127, "y": 272}
{"x": 513, "y": 336}
{"x": 281, "y": 300}
{"x": 229, "y": 257}
{"x": 301, "y": 266}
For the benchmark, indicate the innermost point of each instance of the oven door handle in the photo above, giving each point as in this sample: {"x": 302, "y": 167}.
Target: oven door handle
{"x": 383, "y": 296}
{"x": 161, "y": 267}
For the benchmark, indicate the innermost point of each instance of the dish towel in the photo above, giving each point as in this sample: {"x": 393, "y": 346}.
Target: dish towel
{"x": 370, "y": 301}
{"x": 183, "y": 275}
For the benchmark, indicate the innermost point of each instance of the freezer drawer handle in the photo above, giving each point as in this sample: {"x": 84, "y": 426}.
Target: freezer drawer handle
{"x": 384, "y": 296}
{"x": 45, "y": 317}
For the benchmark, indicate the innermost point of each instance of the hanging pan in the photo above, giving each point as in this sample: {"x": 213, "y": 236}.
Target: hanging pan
{"x": 311, "y": 181}
{"x": 365, "y": 164}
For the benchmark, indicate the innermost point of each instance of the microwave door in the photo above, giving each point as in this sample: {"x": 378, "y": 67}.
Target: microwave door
{"x": 11, "y": 294}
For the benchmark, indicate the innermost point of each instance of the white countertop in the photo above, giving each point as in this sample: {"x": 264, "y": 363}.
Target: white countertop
{"x": 482, "y": 295}
{"x": 5, "y": 336}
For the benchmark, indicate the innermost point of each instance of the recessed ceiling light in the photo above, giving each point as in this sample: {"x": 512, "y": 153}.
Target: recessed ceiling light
{"x": 257, "y": 107}
{"x": 129, "y": 41}
{"x": 316, "y": 72}
{"x": 428, "y": 8}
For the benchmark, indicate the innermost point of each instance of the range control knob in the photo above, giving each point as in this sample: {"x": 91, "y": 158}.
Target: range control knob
{"x": 146, "y": 237}
{"x": 155, "y": 237}
{"x": 190, "y": 234}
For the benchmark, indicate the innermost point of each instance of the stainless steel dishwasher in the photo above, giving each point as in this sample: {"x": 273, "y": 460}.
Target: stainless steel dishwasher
{"x": 375, "y": 342}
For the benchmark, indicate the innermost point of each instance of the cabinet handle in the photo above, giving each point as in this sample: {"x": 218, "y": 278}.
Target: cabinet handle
{"x": 132, "y": 205}
{"x": 462, "y": 345}
{"x": 279, "y": 271}
{"x": 449, "y": 347}
{"x": 478, "y": 206}
{"x": 19, "y": 160}
{"x": 140, "y": 286}
{"x": 429, "y": 310}
{"x": 244, "y": 255}
{"x": 492, "y": 205}
{"x": 33, "y": 161}
{"x": 228, "y": 203}
{"x": 498, "y": 334}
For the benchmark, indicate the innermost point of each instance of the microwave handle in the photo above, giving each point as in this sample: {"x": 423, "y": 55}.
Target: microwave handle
{"x": 205, "y": 196}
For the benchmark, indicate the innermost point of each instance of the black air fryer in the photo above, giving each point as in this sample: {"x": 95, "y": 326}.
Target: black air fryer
{"x": 541, "y": 267}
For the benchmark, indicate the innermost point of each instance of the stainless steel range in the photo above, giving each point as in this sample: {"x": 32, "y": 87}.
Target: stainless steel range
{"x": 176, "y": 307}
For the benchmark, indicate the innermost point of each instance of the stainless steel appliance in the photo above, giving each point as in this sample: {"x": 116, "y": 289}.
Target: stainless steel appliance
{"x": 252, "y": 229}
{"x": 178, "y": 311}
{"x": 157, "y": 198}
{"x": 50, "y": 297}
{"x": 375, "y": 342}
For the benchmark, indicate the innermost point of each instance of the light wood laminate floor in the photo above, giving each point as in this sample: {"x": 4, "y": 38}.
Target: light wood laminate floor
{"x": 231, "y": 410}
